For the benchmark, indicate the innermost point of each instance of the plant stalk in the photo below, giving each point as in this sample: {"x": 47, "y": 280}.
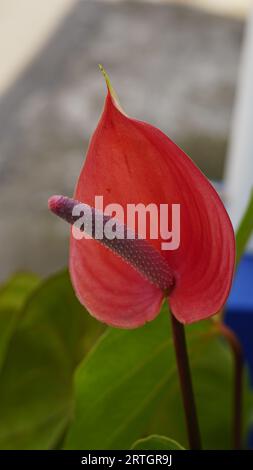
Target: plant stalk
{"x": 186, "y": 384}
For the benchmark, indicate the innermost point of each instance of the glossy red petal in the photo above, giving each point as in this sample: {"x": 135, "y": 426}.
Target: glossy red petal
{"x": 129, "y": 161}
{"x": 111, "y": 290}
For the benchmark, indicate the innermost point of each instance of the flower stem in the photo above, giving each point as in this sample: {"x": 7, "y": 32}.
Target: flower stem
{"x": 238, "y": 383}
{"x": 186, "y": 384}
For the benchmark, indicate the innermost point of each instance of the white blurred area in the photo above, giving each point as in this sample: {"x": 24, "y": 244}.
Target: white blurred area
{"x": 25, "y": 26}
{"x": 239, "y": 168}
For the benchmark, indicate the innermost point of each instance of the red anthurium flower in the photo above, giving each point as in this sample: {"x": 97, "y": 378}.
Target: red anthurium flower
{"x": 132, "y": 162}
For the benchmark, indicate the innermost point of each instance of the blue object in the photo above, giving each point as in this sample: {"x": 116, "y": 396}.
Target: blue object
{"x": 239, "y": 311}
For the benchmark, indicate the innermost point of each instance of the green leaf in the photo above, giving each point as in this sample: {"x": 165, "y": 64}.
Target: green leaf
{"x": 127, "y": 388}
{"x": 12, "y": 297}
{"x": 156, "y": 442}
{"x": 53, "y": 334}
{"x": 244, "y": 230}
{"x": 15, "y": 291}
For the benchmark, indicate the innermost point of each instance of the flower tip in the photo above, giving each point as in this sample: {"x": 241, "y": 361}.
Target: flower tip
{"x": 106, "y": 77}
{"x": 54, "y": 202}
{"x": 111, "y": 92}
{"x": 62, "y": 206}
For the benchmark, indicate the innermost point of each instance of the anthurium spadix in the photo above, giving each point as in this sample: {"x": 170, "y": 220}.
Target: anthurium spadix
{"x": 123, "y": 282}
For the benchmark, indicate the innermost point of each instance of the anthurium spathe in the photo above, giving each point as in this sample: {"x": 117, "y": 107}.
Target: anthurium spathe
{"x": 132, "y": 162}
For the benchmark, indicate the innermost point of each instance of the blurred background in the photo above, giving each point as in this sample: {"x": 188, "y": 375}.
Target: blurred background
{"x": 174, "y": 64}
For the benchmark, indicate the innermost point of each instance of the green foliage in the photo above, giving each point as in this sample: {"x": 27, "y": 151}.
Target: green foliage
{"x": 16, "y": 290}
{"x": 52, "y": 334}
{"x": 244, "y": 230}
{"x": 156, "y": 442}
{"x": 136, "y": 392}
{"x": 12, "y": 296}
